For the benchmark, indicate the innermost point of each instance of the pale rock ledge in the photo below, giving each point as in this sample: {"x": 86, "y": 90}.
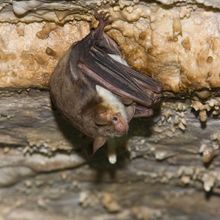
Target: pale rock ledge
{"x": 174, "y": 42}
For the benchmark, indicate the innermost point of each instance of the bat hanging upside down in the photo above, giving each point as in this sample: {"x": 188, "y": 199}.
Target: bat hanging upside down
{"x": 96, "y": 90}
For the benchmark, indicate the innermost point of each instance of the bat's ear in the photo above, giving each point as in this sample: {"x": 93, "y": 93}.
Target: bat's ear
{"x": 98, "y": 143}
{"x": 130, "y": 110}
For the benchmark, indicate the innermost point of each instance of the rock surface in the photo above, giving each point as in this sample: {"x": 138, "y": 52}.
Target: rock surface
{"x": 165, "y": 166}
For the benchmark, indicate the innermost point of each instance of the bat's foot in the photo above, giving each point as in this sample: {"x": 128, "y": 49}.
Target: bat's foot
{"x": 102, "y": 17}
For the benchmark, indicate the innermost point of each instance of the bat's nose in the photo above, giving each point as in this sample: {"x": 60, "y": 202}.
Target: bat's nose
{"x": 121, "y": 126}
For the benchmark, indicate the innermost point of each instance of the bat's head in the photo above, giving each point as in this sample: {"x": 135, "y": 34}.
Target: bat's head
{"x": 111, "y": 114}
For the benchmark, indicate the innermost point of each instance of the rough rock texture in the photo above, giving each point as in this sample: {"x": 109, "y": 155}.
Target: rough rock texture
{"x": 178, "y": 45}
{"x": 30, "y": 52}
{"x": 209, "y": 3}
{"x": 162, "y": 160}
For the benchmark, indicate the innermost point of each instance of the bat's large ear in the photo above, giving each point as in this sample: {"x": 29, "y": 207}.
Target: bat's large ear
{"x": 130, "y": 110}
{"x": 98, "y": 143}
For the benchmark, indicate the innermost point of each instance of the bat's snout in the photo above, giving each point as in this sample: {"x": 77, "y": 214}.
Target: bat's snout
{"x": 120, "y": 124}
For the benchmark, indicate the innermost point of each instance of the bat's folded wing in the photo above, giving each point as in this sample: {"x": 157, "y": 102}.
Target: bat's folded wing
{"x": 120, "y": 79}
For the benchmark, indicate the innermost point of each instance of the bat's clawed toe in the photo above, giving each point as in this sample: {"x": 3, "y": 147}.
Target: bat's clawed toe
{"x": 103, "y": 17}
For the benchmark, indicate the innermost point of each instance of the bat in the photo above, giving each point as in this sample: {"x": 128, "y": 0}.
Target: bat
{"x": 95, "y": 89}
